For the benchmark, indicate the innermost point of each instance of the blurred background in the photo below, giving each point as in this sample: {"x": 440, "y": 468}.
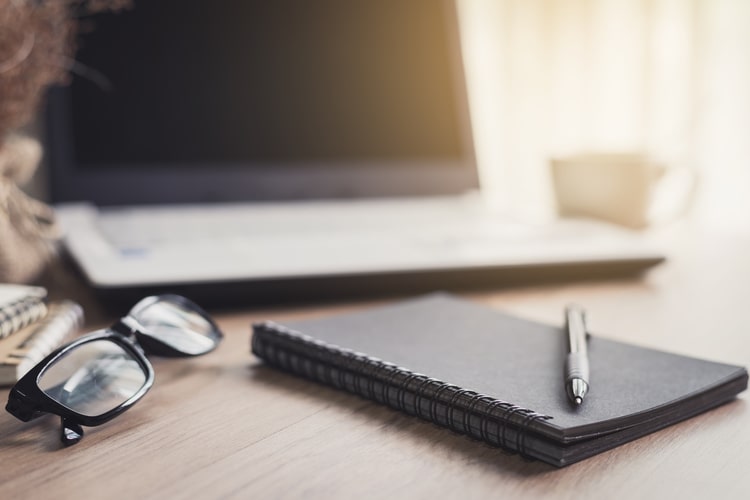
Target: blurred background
{"x": 668, "y": 78}
{"x": 663, "y": 82}
{"x": 549, "y": 78}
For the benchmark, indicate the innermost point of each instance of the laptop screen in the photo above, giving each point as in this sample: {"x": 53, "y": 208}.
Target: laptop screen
{"x": 198, "y": 100}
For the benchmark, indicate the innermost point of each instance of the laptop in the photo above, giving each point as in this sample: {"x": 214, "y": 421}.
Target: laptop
{"x": 266, "y": 151}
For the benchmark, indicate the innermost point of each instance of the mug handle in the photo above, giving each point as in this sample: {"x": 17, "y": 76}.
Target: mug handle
{"x": 673, "y": 195}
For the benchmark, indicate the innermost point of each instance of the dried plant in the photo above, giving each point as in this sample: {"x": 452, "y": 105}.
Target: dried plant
{"x": 37, "y": 42}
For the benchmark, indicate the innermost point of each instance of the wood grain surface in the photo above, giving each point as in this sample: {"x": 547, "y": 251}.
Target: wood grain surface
{"x": 226, "y": 426}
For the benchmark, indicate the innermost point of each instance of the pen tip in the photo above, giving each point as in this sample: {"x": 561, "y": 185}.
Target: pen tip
{"x": 579, "y": 400}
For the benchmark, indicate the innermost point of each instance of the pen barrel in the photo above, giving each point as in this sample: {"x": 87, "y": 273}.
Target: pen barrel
{"x": 577, "y": 367}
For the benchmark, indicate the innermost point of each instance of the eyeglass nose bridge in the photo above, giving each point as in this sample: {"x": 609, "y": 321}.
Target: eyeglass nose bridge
{"x": 139, "y": 336}
{"x": 128, "y": 327}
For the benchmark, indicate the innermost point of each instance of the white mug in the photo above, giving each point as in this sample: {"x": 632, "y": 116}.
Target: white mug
{"x": 624, "y": 188}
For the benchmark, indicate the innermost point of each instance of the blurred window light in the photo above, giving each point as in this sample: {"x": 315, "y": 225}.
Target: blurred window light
{"x": 669, "y": 78}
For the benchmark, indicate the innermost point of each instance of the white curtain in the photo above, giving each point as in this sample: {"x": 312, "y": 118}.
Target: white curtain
{"x": 670, "y": 78}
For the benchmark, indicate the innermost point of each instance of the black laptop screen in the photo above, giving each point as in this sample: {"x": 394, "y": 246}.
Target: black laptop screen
{"x": 227, "y": 85}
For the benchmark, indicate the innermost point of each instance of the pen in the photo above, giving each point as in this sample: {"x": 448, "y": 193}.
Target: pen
{"x": 577, "y": 361}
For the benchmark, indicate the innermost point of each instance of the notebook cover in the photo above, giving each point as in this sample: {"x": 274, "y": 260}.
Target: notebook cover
{"x": 634, "y": 390}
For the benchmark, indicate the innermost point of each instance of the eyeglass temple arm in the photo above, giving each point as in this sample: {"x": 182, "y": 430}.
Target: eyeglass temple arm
{"x": 70, "y": 432}
{"x": 21, "y": 407}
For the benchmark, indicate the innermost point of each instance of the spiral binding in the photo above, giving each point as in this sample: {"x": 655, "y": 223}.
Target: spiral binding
{"x": 62, "y": 320}
{"x": 16, "y": 315}
{"x": 494, "y": 421}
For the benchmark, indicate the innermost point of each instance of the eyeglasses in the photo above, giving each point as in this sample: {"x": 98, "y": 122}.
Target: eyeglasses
{"x": 100, "y": 375}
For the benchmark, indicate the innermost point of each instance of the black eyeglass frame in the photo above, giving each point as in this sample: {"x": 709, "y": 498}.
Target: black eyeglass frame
{"x": 27, "y": 401}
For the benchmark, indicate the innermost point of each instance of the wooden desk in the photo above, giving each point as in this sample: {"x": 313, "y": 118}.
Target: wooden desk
{"x": 226, "y": 426}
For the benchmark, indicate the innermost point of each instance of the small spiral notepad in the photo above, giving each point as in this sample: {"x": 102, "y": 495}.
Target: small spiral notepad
{"x": 496, "y": 377}
{"x": 25, "y": 348}
{"x": 20, "y": 306}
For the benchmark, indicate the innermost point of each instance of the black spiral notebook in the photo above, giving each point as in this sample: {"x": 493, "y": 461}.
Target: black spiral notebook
{"x": 496, "y": 377}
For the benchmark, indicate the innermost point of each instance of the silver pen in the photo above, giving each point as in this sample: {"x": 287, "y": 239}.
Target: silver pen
{"x": 577, "y": 361}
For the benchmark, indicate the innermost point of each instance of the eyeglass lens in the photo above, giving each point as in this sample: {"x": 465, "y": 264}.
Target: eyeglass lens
{"x": 178, "y": 326}
{"x": 93, "y": 378}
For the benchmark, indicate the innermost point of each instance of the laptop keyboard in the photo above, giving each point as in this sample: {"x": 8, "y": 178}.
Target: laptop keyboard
{"x": 323, "y": 223}
{"x": 195, "y": 244}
